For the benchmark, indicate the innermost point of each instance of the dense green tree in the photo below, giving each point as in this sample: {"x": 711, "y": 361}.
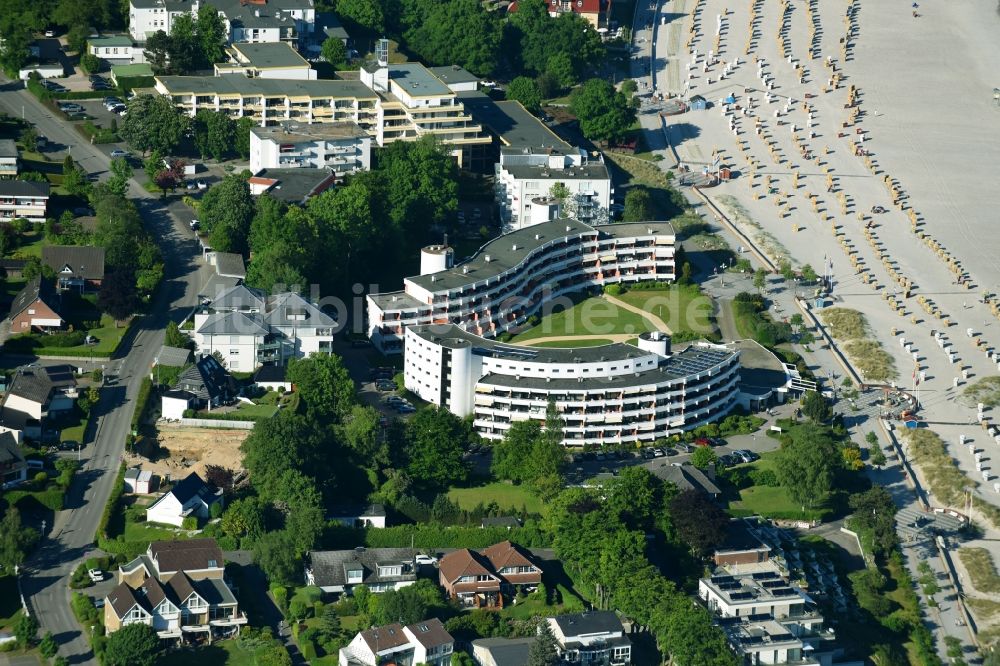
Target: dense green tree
{"x": 533, "y": 38}
{"x": 604, "y": 113}
{"x": 406, "y": 605}
{"x": 639, "y": 205}
{"x": 152, "y": 123}
{"x": 806, "y": 463}
{"x": 635, "y": 497}
{"x": 245, "y": 519}
{"x": 347, "y": 211}
{"x": 436, "y": 440}
{"x": 242, "y": 137}
{"x": 157, "y": 51}
{"x": 525, "y": 91}
{"x": 220, "y": 134}
{"x": 48, "y": 646}
{"x": 874, "y": 510}
{"x": 760, "y": 279}
{"x": 462, "y": 32}
{"x": 173, "y": 336}
{"x": 324, "y": 385}
{"x": 334, "y": 52}
{"x": 361, "y": 435}
{"x": 512, "y": 453}
{"x": 421, "y": 186}
{"x": 815, "y": 406}
{"x": 285, "y": 442}
{"x": 543, "y": 651}
{"x": 704, "y": 457}
{"x": 118, "y": 296}
{"x": 561, "y": 68}
{"x": 26, "y": 630}
{"x": 809, "y": 273}
{"x": 364, "y": 14}
{"x": 226, "y": 211}
{"x": 212, "y": 34}
{"x": 699, "y": 521}
{"x": 184, "y": 48}
{"x": 692, "y": 639}
{"x": 132, "y": 645}
{"x": 121, "y": 174}
{"x": 275, "y": 554}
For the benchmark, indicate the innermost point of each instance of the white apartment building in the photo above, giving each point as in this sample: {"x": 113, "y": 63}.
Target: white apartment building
{"x": 611, "y": 394}
{"x": 532, "y": 159}
{"x": 341, "y": 147}
{"x": 250, "y": 328}
{"x": 508, "y": 279}
{"x": 266, "y": 60}
{"x": 117, "y": 50}
{"x": 23, "y": 199}
{"x": 246, "y": 20}
{"x": 767, "y": 620}
{"x": 594, "y": 637}
{"x": 424, "y": 642}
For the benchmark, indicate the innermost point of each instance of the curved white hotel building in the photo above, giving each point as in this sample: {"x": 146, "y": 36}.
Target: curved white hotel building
{"x": 506, "y": 281}
{"x": 612, "y": 394}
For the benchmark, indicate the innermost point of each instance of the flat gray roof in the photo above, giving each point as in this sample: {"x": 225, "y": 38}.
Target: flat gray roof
{"x": 270, "y": 54}
{"x": 589, "y": 171}
{"x": 8, "y": 148}
{"x": 417, "y": 80}
{"x": 291, "y": 132}
{"x": 295, "y": 185}
{"x": 395, "y": 300}
{"x": 512, "y": 123}
{"x": 241, "y": 85}
{"x": 453, "y": 74}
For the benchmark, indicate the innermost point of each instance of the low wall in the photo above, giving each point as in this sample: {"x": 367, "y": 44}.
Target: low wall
{"x": 221, "y": 424}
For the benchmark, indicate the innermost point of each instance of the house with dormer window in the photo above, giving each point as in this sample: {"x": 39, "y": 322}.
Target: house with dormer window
{"x": 482, "y": 578}
{"x": 379, "y": 569}
{"x": 78, "y": 267}
{"x": 179, "y": 589}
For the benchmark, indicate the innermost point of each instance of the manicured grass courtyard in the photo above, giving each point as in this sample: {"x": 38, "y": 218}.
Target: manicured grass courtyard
{"x": 770, "y": 501}
{"x": 507, "y": 496}
{"x": 684, "y": 309}
{"x": 592, "y": 316}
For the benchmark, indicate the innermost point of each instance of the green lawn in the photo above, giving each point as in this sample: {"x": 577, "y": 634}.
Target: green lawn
{"x": 506, "y": 496}
{"x": 592, "y": 316}
{"x": 770, "y": 502}
{"x": 245, "y": 411}
{"x": 684, "y": 309}
{"x": 150, "y": 532}
{"x": 217, "y": 654}
{"x": 31, "y": 243}
{"x": 584, "y": 342}
{"x": 108, "y": 337}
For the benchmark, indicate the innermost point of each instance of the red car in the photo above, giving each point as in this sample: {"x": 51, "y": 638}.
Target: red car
{"x": 702, "y": 441}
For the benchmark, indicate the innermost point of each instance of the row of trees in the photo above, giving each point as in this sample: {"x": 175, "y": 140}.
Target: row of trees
{"x": 349, "y": 234}
{"x": 468, "y": 33}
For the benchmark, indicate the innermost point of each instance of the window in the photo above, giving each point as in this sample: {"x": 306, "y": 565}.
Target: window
{"x": 234, "y": 352}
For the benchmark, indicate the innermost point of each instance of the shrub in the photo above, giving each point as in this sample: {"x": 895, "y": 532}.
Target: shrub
{"x": 141, "y": 402}
{"x": 764, "y": 477}
{"x": 112, "y": 505}
{"x": 280, "y": 594}
{"x": 41, "y": 478}
{"x": 613, "y": 289}
{"x": 190, "y": 523}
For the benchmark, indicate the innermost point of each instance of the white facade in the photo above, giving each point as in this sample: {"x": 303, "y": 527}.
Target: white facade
{"x": 525, "y": 176}
{"x": 403, "y": 645}
{"x": 342, "y": 148}
{"x": 8, "y": 158}
{"x": 510, "y": 277}
{"x": 612, "y": 394}
{"x": 172, "y": 406}
{"x": 117, "y": 51}
{"x": 274, "y": 21}
{"x": 596, "y": 637}
{"x": 148, "y": 16}
{"x": 25, "y": 199}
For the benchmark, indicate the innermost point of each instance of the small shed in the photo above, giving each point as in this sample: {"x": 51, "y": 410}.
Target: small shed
{"x": 174, "y": 403}
{"x": 698, "y": 103}
{"x": 272, "y": 378}
{"x": 140, "y": 481}
{"x": 136, "y": 71}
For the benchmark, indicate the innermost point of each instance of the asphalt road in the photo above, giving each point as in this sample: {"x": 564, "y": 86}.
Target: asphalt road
{"x": 70, "y": 539}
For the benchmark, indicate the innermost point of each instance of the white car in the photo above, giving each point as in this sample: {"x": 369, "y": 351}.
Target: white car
{"x": 202, "y": 185}
{"x": 193, "y": 224}
{"x": 95, "y": 575}
{"x": 118, "y": 152}
{"x": 425, "y": 559}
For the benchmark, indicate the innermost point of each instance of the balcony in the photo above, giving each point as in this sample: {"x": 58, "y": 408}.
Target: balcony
{"x": 230, "y": 621}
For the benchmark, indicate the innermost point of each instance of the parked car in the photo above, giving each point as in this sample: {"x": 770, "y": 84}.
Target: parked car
{"x": 193, "y": 224}
{"x": 405, "y": 409}
{"x": 70, "y": 108}
{"x": 393, "y": 400}
{"x": 425, "y": 559}
{"x": 202, "y": 185}
{"x": 96, "y": 78}
{"x": 703, "y": 441}
{"x": 50, "y": 33}
{"x": 110, "y": 101}
{"x": 52, "y": 86}
{"x": 98, "y": 603}
{"x": 118, "y": 152}
{"x": 686, "y": 448}
{"x": 69, "y": 445}
{"x": 95, "y": 575}
{"x": 385, "y": 385}
{"x": 659, "y": 453}
{"x": 119, "y": 109}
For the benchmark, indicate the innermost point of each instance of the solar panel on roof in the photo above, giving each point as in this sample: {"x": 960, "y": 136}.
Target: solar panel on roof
{"x": 783, "y": 592}
{"x": 722, "y": 579}
{"x": 740, "y": 596}
{"x": 765, "y": 575}
{"x": 771, "y": 584}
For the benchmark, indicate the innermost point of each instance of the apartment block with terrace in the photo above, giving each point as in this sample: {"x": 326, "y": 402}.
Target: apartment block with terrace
{"x": 509, "y": 278}
{"x": 341, "y": 147}
{"x": 257, "y": 21}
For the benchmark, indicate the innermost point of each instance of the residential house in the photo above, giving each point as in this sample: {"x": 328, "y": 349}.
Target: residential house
{"x": 594, "y": 637}
{"x": 13, "y": 468}
{"x": 12, "y": 268}
{"x": 293, "y": 186}
{"x": 424, "y": 642}
{"x": 379, "y": 569}
{"x": 265, "y": 60}
{"x": 483, "y": 578}
{"x": 36, "y": 307}
{"x": 23, "y": 199}
{"x": 202, "y": 385}
{"x": 501, "y": 651}
{"x": 173, "y": 357}
{"x": 176, "y": 587}
{"x": 190, "y": 497}
{"x": 8, "y": 158}
{"x": 245, "y": 20}
{"x": 140, "y": 481}
{"x": 78, "y": 267}
{"x": 250, "y": 328}
{"x": 116, "y": 50}
{"x": 37, "y": 393}
{"x": 530, "y": 159}
{"x": 341, "y": 147}
{"x": 359, "y": 515}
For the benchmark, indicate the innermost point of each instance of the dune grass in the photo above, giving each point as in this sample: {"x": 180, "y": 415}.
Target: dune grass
{"x": 979, "y": 564}
{"x": 944, "y": 477}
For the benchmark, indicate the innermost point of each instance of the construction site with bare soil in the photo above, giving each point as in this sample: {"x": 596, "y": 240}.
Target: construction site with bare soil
{"x": 180, "y": 450}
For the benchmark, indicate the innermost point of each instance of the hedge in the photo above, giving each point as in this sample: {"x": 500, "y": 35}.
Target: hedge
{"x": 50, "y": 498}
{"x": 109, "y": 509}
{"x": 141, "y": 402}
{"x": 437, "y": 536}
{"x": 88, "y": 94}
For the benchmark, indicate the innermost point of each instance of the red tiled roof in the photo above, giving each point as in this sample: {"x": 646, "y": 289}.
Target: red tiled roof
{"x": 460, "y": 563}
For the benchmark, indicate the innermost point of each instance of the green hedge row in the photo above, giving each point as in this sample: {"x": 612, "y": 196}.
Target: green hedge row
{"x": 438, "y": 536}
{"x": 120, "y": 547}
{"x": 223, "y": 416}
{"x": 89, "y": 94}
{"x": 109, "y": 509}
{"x": 50, "y": 498}
{"x": 141, "y": 402}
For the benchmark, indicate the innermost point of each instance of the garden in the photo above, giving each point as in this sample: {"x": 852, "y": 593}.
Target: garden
{"x": 589, "y": 316}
